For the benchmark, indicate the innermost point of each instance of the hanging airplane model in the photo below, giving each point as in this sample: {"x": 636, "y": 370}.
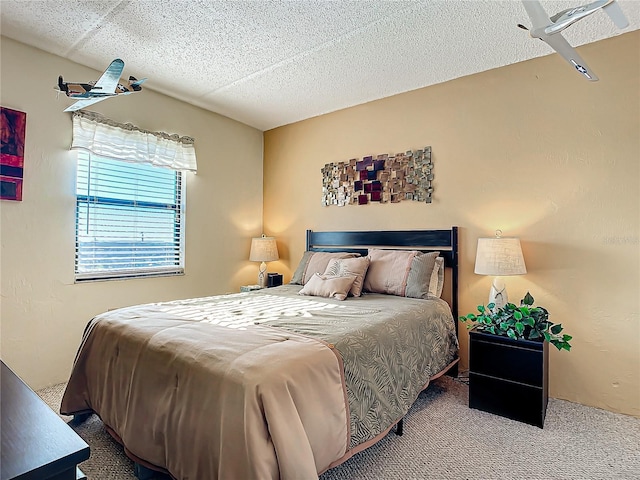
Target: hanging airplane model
{"x": 107, "y": 86}
{"x": 548, "y": 28}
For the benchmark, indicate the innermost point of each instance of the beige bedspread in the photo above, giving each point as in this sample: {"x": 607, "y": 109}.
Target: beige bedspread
{"x": 251, "y": 386}
{"x": 207, "y": 399}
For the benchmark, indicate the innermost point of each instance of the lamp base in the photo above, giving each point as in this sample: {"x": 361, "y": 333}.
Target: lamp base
{"x": 498, "y": 293}
{"x": 262, "y": 275}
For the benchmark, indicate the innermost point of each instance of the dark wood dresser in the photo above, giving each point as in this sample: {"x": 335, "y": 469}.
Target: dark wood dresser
{"x": 36, "y": 443}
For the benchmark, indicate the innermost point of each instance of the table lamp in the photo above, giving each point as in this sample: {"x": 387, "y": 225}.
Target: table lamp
{"x": 499, "y": 256}
{"x": 263, "y": 249}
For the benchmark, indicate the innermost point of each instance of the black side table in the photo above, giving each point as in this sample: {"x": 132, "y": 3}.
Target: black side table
{"x": 509, "y": 377}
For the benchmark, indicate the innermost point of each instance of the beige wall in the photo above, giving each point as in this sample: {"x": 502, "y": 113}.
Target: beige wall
{"x": 531, "y": 149}
{"x": 43, "y": 313}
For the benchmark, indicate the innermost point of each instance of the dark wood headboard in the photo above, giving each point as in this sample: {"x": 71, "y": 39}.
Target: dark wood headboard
{"x": 444, "y": 241}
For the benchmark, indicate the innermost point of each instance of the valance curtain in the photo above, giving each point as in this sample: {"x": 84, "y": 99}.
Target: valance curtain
{"x": 109, "y": 139}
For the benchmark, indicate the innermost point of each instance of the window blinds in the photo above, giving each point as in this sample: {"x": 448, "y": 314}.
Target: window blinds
{"x": 129, "y": 219}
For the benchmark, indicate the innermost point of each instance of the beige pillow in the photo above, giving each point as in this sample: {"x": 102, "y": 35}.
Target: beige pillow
{"x": 388, "y": 271}
{"x": 328, "y": 286}
{"x": 437, "y": 278}
{"x": 349, "y": 266}
{"x": 315, "y": 262}
{"x": 406, "y": 273}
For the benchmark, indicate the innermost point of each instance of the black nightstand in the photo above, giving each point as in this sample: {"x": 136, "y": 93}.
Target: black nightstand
{"x": 509, "y": 377}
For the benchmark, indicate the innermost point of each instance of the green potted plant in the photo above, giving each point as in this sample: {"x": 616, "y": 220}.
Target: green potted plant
{"x": 523, "y": 322}
{"x": 509, "y": 359}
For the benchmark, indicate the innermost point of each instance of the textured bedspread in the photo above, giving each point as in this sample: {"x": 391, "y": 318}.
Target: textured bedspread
{"x": 251, "y": 385}
{"x": 391, "y": 346}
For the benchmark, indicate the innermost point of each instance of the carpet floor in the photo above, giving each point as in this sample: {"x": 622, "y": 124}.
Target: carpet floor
{"x": 446, "y": 440}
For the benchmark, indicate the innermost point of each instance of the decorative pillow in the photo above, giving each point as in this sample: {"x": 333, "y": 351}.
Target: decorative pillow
{"x": 420, "y": 273}
{"x": 406, "y": 273}
{"x": 328, "y": 286}
{"x": 437, "y": 278}
{"x": 388, "y": 271}
{"x": 349, "y": 266}
{"x": 315, "y": 262}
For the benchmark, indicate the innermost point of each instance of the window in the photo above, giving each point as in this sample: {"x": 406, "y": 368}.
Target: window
{"x": 129, "y": 219}
{"x": 129, "y": 199}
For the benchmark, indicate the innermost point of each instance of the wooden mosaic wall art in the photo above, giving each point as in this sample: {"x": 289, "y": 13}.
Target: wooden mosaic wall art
{"x": 384, "y": 179}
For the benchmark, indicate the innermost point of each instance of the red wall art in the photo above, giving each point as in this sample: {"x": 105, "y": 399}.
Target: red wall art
{"x": 12, "y": 131}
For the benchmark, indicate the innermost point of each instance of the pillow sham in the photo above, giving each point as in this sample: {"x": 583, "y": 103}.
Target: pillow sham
{"x": 315, "y": 262}
{"x": 437, "y": 278}
{"x": 350, "y": 266}
{"x": 328, "y": 286}
{"x": 388, "y": 271}
{"x": 405, "y": 273}
{"x": 419, "y": 278}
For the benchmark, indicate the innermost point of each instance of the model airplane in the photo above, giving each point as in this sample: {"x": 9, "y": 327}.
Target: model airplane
{"x": 108, "y": 85}
{"x": 548, "y": 28}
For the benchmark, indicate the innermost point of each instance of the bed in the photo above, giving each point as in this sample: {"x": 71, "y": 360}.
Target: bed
{"x": 272, "y": 384}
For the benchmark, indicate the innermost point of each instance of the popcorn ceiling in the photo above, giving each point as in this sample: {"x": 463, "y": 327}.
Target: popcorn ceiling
{"x": 270, "y": 63}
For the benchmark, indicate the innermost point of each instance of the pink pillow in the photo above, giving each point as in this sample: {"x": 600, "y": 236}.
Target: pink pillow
{"x": 350, "y": 266}
{"x": 406, "y": 273}
{"x": 388, "y": 271}
{"x": 328, "y": 286}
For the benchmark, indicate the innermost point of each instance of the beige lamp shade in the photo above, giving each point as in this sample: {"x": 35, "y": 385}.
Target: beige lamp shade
{"x": 499, "y": 256}
{"x": 263, "y": 249}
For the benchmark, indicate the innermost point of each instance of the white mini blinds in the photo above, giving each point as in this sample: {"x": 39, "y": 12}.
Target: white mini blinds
{"x": 130, "y": 200}
{"x": 108, "y": 139}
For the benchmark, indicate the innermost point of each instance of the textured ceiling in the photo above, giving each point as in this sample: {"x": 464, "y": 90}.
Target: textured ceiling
{"x": 270, "y": 63}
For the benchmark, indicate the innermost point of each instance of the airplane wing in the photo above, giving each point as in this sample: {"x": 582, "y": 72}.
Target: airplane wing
{"x": 539, "y": 18}
{"x": 560, "y": 45}
{"x": 108, "y": 82}
{"x": 85, "y": 102}
{"x": 615, "y": 13}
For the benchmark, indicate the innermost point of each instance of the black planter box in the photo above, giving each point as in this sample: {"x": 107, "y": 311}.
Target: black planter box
{"x": 509, "y": 377}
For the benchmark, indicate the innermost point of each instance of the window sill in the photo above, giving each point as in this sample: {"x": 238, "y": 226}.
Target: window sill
{"x": 87, "y": 278}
